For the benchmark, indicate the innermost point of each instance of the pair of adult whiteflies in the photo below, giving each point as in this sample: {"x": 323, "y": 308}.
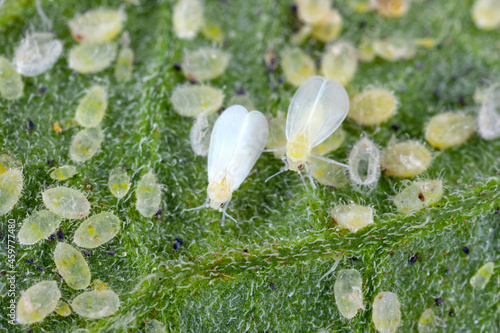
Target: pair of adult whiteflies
{"x": 238, "y": 138}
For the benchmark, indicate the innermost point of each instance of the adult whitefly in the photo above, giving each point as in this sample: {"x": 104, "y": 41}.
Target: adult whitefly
{"x": 449, "y": 129}
{"x": 87, "y": 58}
{"x": 85, "y": 144}
{"x": 488, "y": 119}
{"x": 353, "y": 217}
{"x": 11, "y": 84}
{"x": 348, "y": 292}
{"x": 205, "y": 63}
{"x": 38, "y": 226}
{"x": 340, "y": 62}
{"x": 72, "y": 266}
{"x": 37, "y": 302}
{"x": 11, "y": 186}
{"x": 482, "y": 276}
{"x": 148, "y": 195}
{"x": 188, "y": 18}
{"x": 386, "y": 313}
{"x": 364, "y": 163}
{"x": 37, "y": 53}
{"x": 92, "y": 107}
{"x": 66, "y": 202}
{"x": 97, "y": 25}
{"x": 194, "y": 100}
{"x": 97, "y": 230}
{"x": 297, "y": 65}
{"x": 96, "y": 303}
{"x": 119, "y": 182}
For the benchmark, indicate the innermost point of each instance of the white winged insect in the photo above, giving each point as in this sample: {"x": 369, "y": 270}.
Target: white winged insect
{"x": 317, "y": 109}
{"x": 238, "y": 138}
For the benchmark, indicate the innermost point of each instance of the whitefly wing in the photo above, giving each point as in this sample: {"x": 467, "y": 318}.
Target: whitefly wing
{"x": 317, "y": 109}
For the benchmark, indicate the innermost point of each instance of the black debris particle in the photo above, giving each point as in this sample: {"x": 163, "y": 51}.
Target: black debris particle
{"x": 240, "y": 91}
{"x": 40, "y": 268}
{"x": 395, "y": 127}
{"x": 31, "y": 125}
{"x": 466, "y": 250}
{"x": 177, "y": 66}
{"x": 438, "y": 301}
{"x": 60, "y": 234}
{"x": 177, "y": 243}
{"x": 452, "y": 312}
{"x": 50, "y": 162}
{"x": 29, "y": 261}
{"x": 42, "y": 90}
{"x": 51, "y": 237}
{"x": 353, "y": 259}
{"x": 87, "y": 253}
{"x": 272, "y": 286}
{"x": 110, "y": 253}
{"x": 413, "y": 259}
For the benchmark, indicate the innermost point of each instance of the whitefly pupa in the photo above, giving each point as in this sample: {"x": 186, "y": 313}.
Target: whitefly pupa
{"x": 427, "y": 322}
{"x": 188, "y": 18}
{"x": 194, "y": 100}
{"x": 364, "y": 163}
{"x": 298, "y": 66}
{"x": 11, "y": 185}
{"x": 38, "y": 226}
{"x": 148, "y": 195}
{"x": 97, "y": 25}
{"x": 11, "y": 84}
{"x": 89, "y": 58}
{"x": 353, "y": 217}
{"x": 66, "y": 202}
{"x": 92, "y": 107}
{"x": 200, "y": 133}
{"x": 328, "y": 28}
{"x": 391, "y": 8}
{"x": 119, "y": 182}
{"x": 63, "y": 172}
{"x": 482, "y": 276}
{"x": 237, "y": 140}
{"x": 386, "y": 313}
{"x": 418, "y": 195}
{"x": 405, "y": 159}
{"x": 373, "y": 106}
{"x": 154, "y": 326}
{"x": 348, "y": 293}
{"x": 125, "y": 60}
{"x": 85, "y": 144}
{"x": 205, "y": 63}
{"x": 37, "y": 302}
{"x": 97, "y": 230}
{"x": 395, "y": 48}
{"x": 37, "y": 53}
{"x": 449, "y": 129}
{"x": 340, "y": 62}
{"x": 486, "y": 14}
{"x": 96, "y": 303}
{"x": 72, "y": 266}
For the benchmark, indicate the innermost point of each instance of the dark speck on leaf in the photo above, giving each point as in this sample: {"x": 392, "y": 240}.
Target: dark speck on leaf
{"x": 293, "y": 8}
{"x": 177, "y": 243}
{"x": 40, "y": 268}
{"x": 240, "y": 91}
{"x": 42, "y": 90}
{"x": 413, "y": 259}
{"x": 447, "y": 271}
{"x": 4, "y": 272}
{"x": 158, "y": 213}
{"x": 50, "y": 162}
{"x": 353, "y": 259}
{"x": 466, "y": 250}
{"x": 280, "y": 80}
{"x": 436, "y": 93}
{"x": 438, "y": 301}
{"x": 59, "y": 275}
{"x": 110, "y": 253}
{"x": 29, "y": 261}
{"x": 391, "y": 253}
{"x": 395, "y": 127}
{"x": 245, "y": 251}
{"x": 362, "y": 24}
{"x": 420, "y": 65}
{"x": 461, "y": 101}
{"x": 31, "y": 125}
{"x": 497, "y": 211}
{"x": 421, "y": 197}
{"x": 452, "y": 313}
{"x": 29, "y": 330}
{"x": 51, "y": 237}
{"x": 177, "y": 66}
{"x": 272, "y": 286}
{"x": 74, "y": 74}
{"x": 60, "y": 234}
{"x": 87, "y": 253}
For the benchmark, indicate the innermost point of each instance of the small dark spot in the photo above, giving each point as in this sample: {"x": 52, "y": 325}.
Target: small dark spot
{"x": 126, "y": 168}
{"x": 437, "y": 93}
{"x": 395, "y": 127}
{"x": 280, "y": 79}
{"x": 461, "y": 100}
{"x": 29, "y": 330}
{"x": 60, "y": 234}
{"x": 59, "y": 275}
{"x": 420, "y": 65}
{"x": 452, "y": 312}
{"x": 272, "y": 286}
{"x": 37, "y": 172}
{"x": 438, "y": 301}
{"x": 245, "y": 251}
{"x": 4, "y": 272}
{"x": 51, "y": 237}
{"x": 497, "y": 211}
{"x": 293, "y": 8}
{"x": 226, "y": 41}
{"x": 177, "y": 243}
{"x": 40, "y": 268}
{"x": 353, "y": 259}
{"x": 466, "y": 250}
{"x": 391, "y": 253}
{"x": 29, "y": 261}
{"x": 421, "y": 197}
{"x": 271, "y": 61}
{"x": 191, "y": 79}
{"x": 454, "y": 77}
{"x": 75, "y": 73}
{"x": 87, "y": 253}
{"x": 42, "y": 90}
{"x": 110, "y": 253}
{"x": 240, "y": 91}
{"x": 413, "y": 258}
{"x": 31, "y": 125}
{"x": 50, "y": 162}
{"x": 447, "y": 271}
{"x": 158, "y": 213}
{"x": 362, "y": 24}
{"x": 177, "y": 66}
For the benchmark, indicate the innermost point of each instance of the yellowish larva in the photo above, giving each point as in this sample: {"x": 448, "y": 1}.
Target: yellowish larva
{"x": 97, "y": 25}
{"x": 66, "y": 202}
{"x": 489, "y": 114}
{"x": 340, "y": 62}
{"x": 11, "y": 185}
{"x": 405, "y": 159}
{"x": 486, "y": 14}
{"x": 85, "y": 144}
{"x": 297, "y": 66}
{"x": 193, "y": 100}
{"x": 154, "y": 326}
{"x": 119, "y": 182}
{"x": 123, "y": 68}
{"x": 96, "y": 304}
{"x": 427, "y": 322}
{"x": 212, "y": 31}
{"x": 482, "y": 276}
{"x": 201, "y": 132}
{"x": 97, "y": 230}
{"x": 205, "y": 63}
{"x": 348, "y": 293}
{"x": 277, "y": 135}
{"x": 312, "y": 11}
{"x": 37, "y": 302}
{"x": 386, "y": 313}
{"x": 328, "y": 174}
{"x": 332, "y": 143}
{"x": 419, "y": 195}
{"x": 353, "y": 217}
{"x": 92, "y": 107}
{"x": 63, "y": 172}
{"x": 91, "y": 57}
{"x": 328, "y": 28}
{"x": 148, "y": 194}
{"x": 72, "y": 266}
{"x": 38, "y": 226}
{"x": 63, "y": 309}
{"x": 391, "y": 8}
{"x": 449, "y": 129}
{"x": 394, "y": 49}
{"x": 373, "y": 107}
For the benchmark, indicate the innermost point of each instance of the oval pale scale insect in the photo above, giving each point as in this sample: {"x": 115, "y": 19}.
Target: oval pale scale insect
{"x": 373, "y": 107}
{"x": 297, "y": 66}
{"x": 92, "y": 107}
{"x": 489, "y": 114}
{"x": 386, "y": 313}
{"x": 38, "y": 226}
{"x": 191, "y": 101}
{"x": 63, "y": 172}
{"x": 328, "y": 28}
{"x": 332, "y": 143}
{"x": 11, "y": 185}
{"x": 72, "y": 266}
{"x": 63, "y": 309}
{"x": 123, "y": 68}
{"x": 328, "y": 174}
{"x": 340, "y": 62}
{"x": 119, "y": 182}
{"x": 486, "y": 14}
{"x": 312, "y": 11}
{"x": 200, "y": 133}
{"x": 96, "y": 304}
{"x": 85, "y": 144}
{"x": 316, "y": 110}
{"x": 427, "y": 322}
{"x": 394, "y": 49}
{"x": 205, "y": 63}
{"x": 364, "y": 163}
{"x": 37, "y": 302}
{"x": 449, "y": 129}
{"x": 154, "y": 326}
{"x": 37, "y": 53}
{"x": 391, "y": 8}
{"x": 238, "y": 139}
{"x": 277, "y": 136}
{"x": 11, "y": 84}
{"x": 97, "y": 25}
{"x": 66, "y": 202}
{"x": 89, "y": 58}
{"x": 243, "y": 100}
{"x": 188, "y": 18}
{"x": 419, "y": 195}
{"x": 97, "y": 230}
{"x": 148, "y": 194}
{"x": 353, "y": 217}
{"x": 405, "y": 159}
{"x": 348, "y": 293}
{"x": 483, "y": 275}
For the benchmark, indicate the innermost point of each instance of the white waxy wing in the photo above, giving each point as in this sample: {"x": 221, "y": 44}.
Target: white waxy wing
{"x": 238, "y": 139}
{"x": 317, "y": 109}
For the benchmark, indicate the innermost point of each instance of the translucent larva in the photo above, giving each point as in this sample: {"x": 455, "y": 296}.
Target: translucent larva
{"x": 243, "y": 100}
{"x": 66, "y": 202}
{"x": 405, "y": 159}
{"x": 92, "y": 107}
{"x": 489, "y": 114}
{"x": 38, "y": 226}
{"x": 63, "y": 309}
{"x": 193, "y": 100}
{"x": 449, "y": 129}
{"x": 364, "y": 163}
{"x": 148, "y": 194}
{"x": 386, "y": 312}
{"x": 419, "y": 195}
{"x": 97, "y": 25}
{"x": 97, "y": 230}
{"x": 200, "y": 133}
{"x": 188, "y": 18}
{"x": 353, "y": 217}
{"x": 297, "y": 66}
{"x": 85, "y": 144}
{"x": 328, "y": 174}
{"x": 119, "y": 182}
{"x": 37, "y": 53}
{"x": 483, "y": 275}
{"x": 11, "y": 185}
{"x": 37, "y": 302}
{"x": 373, "y": 107}
{"x": 238, "y": 139}
{"x": 72, "y": 266}
{"x": 332, "y": 143}
{"x": 96, "y": 304}
{"x": 391, "y": 8}
{"x": 328, "y": 28}
{"x": 277, "y": 135}
{"x": 154, "y": 326}
{"x": 348, "y": 293}
{"x": 205, "y": 63}
{"x": 11, "y": 84}
{"x": 91, "y": 57}
{"x": 340, "y": 62}
{"x": 394, "y": 49}
{"x": 212, "y": 31}
{"x": 312, "y": 11}
{"x": 427, "y": 322}
{"x": 486, "y": 14}
{"x": 63, "y": 172}
{"x": 317, "y": 109}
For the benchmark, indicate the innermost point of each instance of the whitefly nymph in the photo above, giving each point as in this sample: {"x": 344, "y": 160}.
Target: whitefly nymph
{"x": 364, "y": 163}
{"x": 37, "y": 53}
